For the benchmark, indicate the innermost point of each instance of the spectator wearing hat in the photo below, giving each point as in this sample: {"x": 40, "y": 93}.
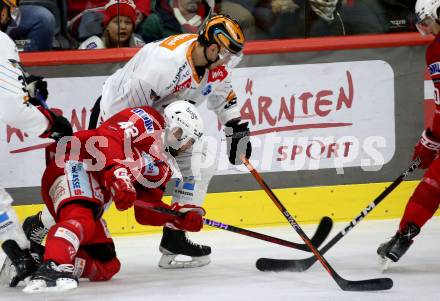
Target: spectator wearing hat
{"x": 119, "y": 23}
{"x": 172, "y": 17}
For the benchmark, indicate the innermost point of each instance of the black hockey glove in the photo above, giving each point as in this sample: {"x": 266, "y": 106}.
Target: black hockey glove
{"x": 37, "y": 89}
{"x": 237, "y": 140}
{"x": 59, "y": 125}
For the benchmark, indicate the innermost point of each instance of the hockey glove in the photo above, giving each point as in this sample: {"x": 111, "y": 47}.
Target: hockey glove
{"x": 59, "y": 126}
{"x": 192, "y": 220}
{"x": 237, "y": 140}
{"x": 118, "y": 182}
{"x": 37, "y": 88}
{"x": 426, "y": 149}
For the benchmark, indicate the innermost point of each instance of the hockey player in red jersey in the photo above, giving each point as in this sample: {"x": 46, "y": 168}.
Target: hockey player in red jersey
{"x": 426, "y": 198}
{"x": 124, "y": 160}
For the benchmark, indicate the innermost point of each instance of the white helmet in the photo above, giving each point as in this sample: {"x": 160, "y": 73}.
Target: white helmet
{"x": 426, "y": 13}
{"x": 181, "y": 114}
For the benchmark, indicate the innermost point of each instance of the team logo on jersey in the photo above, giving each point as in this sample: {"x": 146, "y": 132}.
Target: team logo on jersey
{"x": 434, "y": 68}
{"x": 219, "y": 73}
{"x": 148, "y": 122}
{"x": 206, "y": 90}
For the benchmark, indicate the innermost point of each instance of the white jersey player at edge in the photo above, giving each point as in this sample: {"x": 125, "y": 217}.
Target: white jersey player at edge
{"x": 194, "y": 68}
{"x": 17, "y": 109}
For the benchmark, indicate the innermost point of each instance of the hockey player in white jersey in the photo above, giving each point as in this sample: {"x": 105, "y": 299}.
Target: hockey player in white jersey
{"x": 195, "y": 68}
{"x": 18, "y": 95}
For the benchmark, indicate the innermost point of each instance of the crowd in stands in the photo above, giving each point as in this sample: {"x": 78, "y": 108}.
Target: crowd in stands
{"x": 95, "y": 24}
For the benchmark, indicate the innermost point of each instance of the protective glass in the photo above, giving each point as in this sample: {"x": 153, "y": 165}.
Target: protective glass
{"x": 424, "y": 26}
{"x": 229, "y": 59}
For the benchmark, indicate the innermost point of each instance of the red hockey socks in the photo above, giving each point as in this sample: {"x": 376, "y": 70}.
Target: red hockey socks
{"x": 76, "y": 225}
{"x": 96, "y": 270}
{"x": 422, "y": 204}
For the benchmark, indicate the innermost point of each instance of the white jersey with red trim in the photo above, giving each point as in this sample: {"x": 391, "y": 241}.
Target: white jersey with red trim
{"x": 162, "y": 72}
{"x": 13, "y": 109}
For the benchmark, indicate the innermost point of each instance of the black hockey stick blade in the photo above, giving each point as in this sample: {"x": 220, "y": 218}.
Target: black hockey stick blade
{"x": 378, "y": 284}
{"x": 300, "y": 265}
{"x": 322, "y": 232}
{"x": 346, "y": 285}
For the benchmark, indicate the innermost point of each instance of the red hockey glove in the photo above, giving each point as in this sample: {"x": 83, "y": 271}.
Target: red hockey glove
{"x": 426, "y": 149}
{"x": 117, "y": 181}
{"x": 192, "y": 220}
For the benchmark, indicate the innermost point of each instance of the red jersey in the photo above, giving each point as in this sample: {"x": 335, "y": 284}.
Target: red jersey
{"x": 131, "y": 138}
{"x": 433, "y": 63}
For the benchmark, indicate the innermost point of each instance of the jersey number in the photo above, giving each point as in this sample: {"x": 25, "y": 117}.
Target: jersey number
{"x": 129, "y": 128}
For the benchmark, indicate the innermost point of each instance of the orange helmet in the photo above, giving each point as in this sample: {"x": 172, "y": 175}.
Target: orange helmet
{"x": 223, "y": 31}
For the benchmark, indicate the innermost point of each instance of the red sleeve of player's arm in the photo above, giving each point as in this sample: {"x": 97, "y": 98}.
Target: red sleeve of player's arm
{"x": 147, "y": 199}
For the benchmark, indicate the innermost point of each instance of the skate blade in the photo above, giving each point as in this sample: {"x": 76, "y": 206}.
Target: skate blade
{"x": 168, "y": 261}
{"x": 384, "y": 263}
{"x": 39, "y": 286}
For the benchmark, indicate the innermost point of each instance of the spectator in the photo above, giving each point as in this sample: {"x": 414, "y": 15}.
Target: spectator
{"x": 400, "y": 15}
{"x": 285, "y": 18}
{"x": 118, "y": 29}
{"x": 174, "y": 17}
{"x": 36, "y": 29}
{"x": 378, "y": 16}
{"x": 85, "y": 18}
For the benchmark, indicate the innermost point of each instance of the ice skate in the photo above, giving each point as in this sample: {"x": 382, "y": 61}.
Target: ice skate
{"x": 18, "y": 265}
{"x": 175, "y": 243}
{"x": 397, "y": 246}
{"x": 51, "y": 277}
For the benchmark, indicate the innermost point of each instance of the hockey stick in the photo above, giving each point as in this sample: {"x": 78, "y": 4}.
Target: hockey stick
{"x": 299, "y": 265}
{"x": 346, "y": 285}
{"x": 319, "y": 237}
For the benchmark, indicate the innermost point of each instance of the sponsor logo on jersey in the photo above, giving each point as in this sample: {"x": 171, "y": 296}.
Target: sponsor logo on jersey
{"x": 4, "y": 217}
{"x": 434, "y": 68}
{"x": 76, "y": 182}
{"x": 148, "y": 122}
{"x": 78, "y": 179}
{"x": 68, "y": 235}
{"x": 206, "y": 90}
{"x": 219, "y": 73}
{"x": 175, "y": 41}
{"x": 150, "y": 166}
{"x": 185, "y": 85}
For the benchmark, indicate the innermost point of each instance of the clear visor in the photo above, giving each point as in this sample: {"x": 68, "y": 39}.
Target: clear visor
{"x": 177, "y": 139}
{"x": 229, "y": 59}
{"x": 425, "y": 26}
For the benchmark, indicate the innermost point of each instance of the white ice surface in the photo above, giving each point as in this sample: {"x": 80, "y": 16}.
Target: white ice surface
{"x": 232, "y": 274}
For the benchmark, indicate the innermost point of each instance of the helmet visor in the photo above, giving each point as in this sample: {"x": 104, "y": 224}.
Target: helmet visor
{"x": 424, "y": 26}
{"x": 229, "y": 59}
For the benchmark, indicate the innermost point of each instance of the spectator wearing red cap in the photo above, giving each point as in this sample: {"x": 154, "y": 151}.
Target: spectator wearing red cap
{"x": 119, "y": 23}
